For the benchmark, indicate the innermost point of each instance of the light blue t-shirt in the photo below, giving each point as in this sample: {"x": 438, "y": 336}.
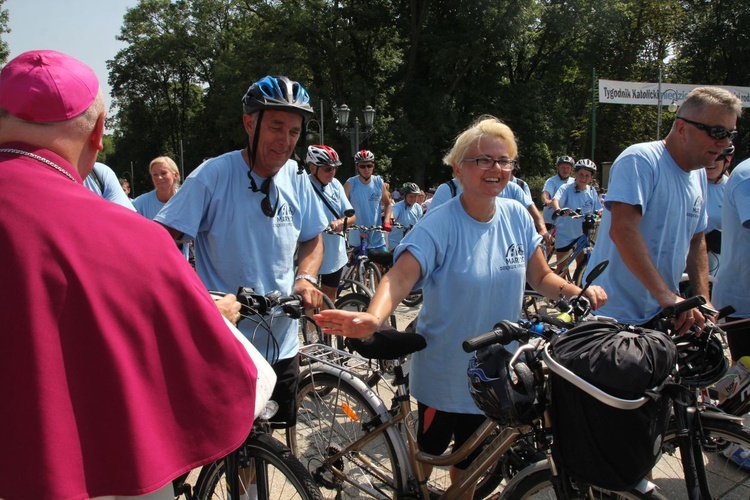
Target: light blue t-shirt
{"x": 148, "y": 205}
{"x": 365, "y": 199}
{"x": 522, "y": 184}
{"x": 734, "y": 274}
{"x": 568, "y": 196}
{"x": 406, "y": 216}
{"x": 715, "y": 202}
{"x": 473, "y": 275}
{"x": 552, "y": 185}
{"x": 511, "y": 191}
{"x": 335, "y": 246}
{"x": 673, "y": 206}
{"x": 237, "y": 245}
{"x": 110, "y": 188}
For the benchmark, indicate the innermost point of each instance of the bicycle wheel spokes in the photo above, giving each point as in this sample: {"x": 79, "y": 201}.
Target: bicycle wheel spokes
{"x": 332, "y": 416}
{"x": 725, "y": 477}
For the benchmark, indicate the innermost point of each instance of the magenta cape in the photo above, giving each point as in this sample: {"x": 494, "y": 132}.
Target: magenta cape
{"x": 117, "y": 371}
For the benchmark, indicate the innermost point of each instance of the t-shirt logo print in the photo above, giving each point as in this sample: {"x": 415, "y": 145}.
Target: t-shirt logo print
{"x": 514, "y": 257}
{"x": 285, "y": 215}
{"x": 696, "y": 210}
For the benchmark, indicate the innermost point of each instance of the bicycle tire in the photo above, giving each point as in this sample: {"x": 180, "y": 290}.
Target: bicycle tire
{"x": 579, "y": 273}
{"x": 538, "y": 485}
{"x": 285, "y": 477}
{"x": 723, "y": 475}
{"x": 371, "y": 276}
{"x": 310, "y": 333}
{"x": 413, "y": 299}
{"x": 325, "y": 425}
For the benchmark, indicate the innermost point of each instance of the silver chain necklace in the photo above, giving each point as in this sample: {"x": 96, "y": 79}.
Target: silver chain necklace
{"x": 39, "y": 159}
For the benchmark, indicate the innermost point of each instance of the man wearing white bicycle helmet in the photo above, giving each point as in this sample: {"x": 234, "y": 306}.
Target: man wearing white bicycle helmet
{"x": 323, "y": 161}
{"x": 578, "y": 195}
{"x": 247, "y": 211}
{"x": 406, "y": 212}
{"x": 367, "y": 192}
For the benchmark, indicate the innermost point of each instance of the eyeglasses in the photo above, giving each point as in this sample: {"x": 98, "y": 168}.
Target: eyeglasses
{"x": 366, "y": 166}
{"x": 265, "y": 204}
{"x": 714, "y": 131}
{"x": 327, "y": 168}
{"x": 486, "y": 163}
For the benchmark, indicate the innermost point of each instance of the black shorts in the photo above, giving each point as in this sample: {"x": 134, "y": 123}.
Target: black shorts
{"x": 285, "y": 392}
{"x": 332, "y": 279}
{"x": 566, "y": 248}
{"x": 738, "y": 339}
{"x": 437, "y": 428}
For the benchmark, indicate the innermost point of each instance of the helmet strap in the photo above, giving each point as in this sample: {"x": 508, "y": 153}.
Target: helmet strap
{"x": 251, "y": 155}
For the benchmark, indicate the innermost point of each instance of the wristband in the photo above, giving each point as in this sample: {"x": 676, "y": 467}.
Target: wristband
{"x": 311, "y": 279}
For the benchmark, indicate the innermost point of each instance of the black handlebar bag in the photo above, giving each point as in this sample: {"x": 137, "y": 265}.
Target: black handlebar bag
{"x": 598, "y": 444}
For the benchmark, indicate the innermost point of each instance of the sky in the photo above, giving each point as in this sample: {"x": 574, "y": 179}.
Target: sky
{"x": 85, "y": 29}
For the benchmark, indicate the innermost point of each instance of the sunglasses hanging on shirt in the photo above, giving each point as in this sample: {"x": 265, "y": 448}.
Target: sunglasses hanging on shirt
{"x": 265, "y": 204}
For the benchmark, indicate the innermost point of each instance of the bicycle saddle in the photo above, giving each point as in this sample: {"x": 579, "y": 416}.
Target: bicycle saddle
{"x": 387, "y": 344}
{"x": 382, "y": 257}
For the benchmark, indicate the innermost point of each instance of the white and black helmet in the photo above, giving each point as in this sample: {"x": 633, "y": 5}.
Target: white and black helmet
{"x": 322, "y": 155}
{"x": 585, "y": 164}
{"x": 410, "y": 188}
{"x": 364, "y": 155}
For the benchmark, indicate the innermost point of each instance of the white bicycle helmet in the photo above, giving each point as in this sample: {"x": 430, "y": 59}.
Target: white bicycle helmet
{"x": 322, "y": 155}
{"x": 364, "y": 155}
{"x": 585, "y": 164}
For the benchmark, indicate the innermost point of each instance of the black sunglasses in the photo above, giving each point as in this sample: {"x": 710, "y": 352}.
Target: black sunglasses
{"x": 265, "y": 204}
{"x": 714, "y": 131}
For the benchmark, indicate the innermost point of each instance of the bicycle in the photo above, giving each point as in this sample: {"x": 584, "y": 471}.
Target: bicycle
{"x": 582, "y": 247}
{"x": 261, "y": 460}
{"x": 354, "y": 444}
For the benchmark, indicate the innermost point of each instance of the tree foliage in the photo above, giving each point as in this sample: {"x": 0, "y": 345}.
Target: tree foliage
{"x": 429, "y": 68}
{"x": 4, "y": 49}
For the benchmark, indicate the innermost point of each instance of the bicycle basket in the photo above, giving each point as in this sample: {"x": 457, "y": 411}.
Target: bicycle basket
{"x": 506, "y": 396}
{"x": 599, "y": 444}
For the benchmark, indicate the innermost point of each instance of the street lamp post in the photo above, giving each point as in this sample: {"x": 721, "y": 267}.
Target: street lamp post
{"x": 355, "y": 133}
{"x": 672, "y": 108}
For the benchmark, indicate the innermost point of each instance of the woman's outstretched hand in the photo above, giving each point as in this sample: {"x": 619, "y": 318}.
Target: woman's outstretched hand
{"x": 347, "y": 323}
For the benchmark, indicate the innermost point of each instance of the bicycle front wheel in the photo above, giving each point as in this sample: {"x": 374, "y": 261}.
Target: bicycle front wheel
{"x": 720, "y": 440}
{"x": 267, "y": 466}
{"x": 331, "y": 416}
{"x": 538, "y": 485}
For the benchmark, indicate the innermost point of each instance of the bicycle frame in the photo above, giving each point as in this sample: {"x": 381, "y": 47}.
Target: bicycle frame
{"x": 410, "y": 459}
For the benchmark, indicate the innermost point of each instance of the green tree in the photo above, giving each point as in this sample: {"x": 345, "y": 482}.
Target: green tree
{"x": 4, "y": 19}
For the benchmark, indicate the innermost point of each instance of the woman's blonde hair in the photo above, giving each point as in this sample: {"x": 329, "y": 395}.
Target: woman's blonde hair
{"x": 484, "y": 126}
{"x": 171, "y": 165}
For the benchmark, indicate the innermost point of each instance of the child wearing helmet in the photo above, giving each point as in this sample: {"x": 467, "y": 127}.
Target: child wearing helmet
{"x": 578, "y": 195}
{"x": 406, "y": 212}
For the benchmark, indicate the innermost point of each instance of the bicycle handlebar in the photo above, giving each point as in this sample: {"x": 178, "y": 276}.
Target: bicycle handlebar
{"x": 679, "y": 308}
{"x": 254, "y": 303}
{"x": 503, "y": 333}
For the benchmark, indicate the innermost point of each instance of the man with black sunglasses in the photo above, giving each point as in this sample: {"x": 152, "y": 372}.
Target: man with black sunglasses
{"x": 367, "y": 193}
{"x": 248, "y": 211}
{"x": 655, "y": 212}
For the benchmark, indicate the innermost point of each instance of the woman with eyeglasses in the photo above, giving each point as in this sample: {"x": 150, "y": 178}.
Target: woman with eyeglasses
{"x": 472, "y": 258}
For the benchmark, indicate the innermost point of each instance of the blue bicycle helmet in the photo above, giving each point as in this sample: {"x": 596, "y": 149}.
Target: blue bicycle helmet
{"x": 277, "y": 92}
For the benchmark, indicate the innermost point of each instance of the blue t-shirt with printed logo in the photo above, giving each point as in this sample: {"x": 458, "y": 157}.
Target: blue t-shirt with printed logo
{"x": 365, "y": 199}
{"x": 569, "y": 196}
{"x": 673, "y": 205}
{"x": 335, "y": 245}
{"x": 236, "y": 244}
{"x": 473, "y": 275}
{"x": 407, "y": 217}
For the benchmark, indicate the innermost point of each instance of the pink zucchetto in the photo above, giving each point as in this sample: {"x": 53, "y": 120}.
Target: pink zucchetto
{"x": 45, "y": 86}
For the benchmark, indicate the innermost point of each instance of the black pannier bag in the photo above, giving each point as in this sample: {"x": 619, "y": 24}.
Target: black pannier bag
{"x": 598, "y": 444}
